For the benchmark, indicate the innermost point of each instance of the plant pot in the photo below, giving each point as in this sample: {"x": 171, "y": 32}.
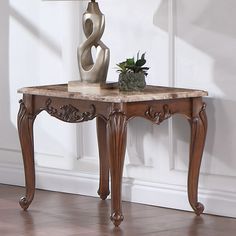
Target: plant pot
{"x": 132, "y": 81}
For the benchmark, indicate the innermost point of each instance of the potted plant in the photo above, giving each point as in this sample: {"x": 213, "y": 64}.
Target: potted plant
{"x": 132, "y": 74}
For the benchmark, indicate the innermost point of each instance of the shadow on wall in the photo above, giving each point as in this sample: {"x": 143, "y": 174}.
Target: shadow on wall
{"x": 144, "y": 137}
{"x": 137, "y": 130}
{"x": 7, "y": 11}
{"x": 207, "y": 26}
{"x": 6, "y": 126}
{"x": 35, "y": 31}
{"x": 10, "y": 80}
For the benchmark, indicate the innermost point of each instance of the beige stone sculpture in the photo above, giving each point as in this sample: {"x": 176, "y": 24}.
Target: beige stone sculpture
{"x": 93, "y": 70}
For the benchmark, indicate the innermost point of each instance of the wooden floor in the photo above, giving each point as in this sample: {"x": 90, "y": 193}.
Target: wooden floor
{"x": 58, "y": 214}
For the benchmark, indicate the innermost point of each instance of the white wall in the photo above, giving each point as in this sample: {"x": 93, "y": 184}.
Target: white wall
{"x": 188, "y": 43}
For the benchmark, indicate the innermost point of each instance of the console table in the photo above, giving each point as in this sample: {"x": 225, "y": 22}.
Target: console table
{"x": 112, "y": 110}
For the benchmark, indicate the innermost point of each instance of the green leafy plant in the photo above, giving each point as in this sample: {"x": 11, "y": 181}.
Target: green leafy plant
{"x": 133, "y": 66}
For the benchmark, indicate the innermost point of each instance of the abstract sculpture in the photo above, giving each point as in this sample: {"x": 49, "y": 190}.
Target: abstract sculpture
{"x": 93, "y": 70}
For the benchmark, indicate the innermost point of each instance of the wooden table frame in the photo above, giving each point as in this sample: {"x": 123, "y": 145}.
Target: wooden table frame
{"x": 112, "y": 119}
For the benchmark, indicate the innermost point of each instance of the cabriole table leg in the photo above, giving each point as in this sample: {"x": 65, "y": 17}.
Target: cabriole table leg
{"x": 103, "y": 190}
{"x": 198, "y": 125}
{"x": 25, "y": 130}
{"x": 116, "y": 142}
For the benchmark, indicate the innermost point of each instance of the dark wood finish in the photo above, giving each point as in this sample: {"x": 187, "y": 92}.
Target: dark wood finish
{"x": 88, "y": 216}
{"x": 116, "y": 144}
{"x": 25, "y": 129}
{"x": 112, "y": 118}
{"x": 198, "y": 123}
{"x": 103, "y": 190}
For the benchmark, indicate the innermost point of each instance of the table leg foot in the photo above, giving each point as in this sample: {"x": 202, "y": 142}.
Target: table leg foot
{"x": 24, "y": 202}
{"x": 199, "y": 208}
{"x": 117, "y": 218}
{"x": 103, "y": 194}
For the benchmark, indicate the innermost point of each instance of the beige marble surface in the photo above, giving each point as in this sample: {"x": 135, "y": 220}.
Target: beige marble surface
{"x": 114, "y": 95}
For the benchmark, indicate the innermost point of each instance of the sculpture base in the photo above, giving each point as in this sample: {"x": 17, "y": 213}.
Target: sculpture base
{"x": 85, "y": 87}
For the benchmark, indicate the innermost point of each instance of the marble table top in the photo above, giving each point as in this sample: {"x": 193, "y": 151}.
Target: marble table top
{"x": 114, "y": 95}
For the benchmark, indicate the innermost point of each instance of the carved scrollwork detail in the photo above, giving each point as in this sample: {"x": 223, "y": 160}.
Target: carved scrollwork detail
{"x": 201, "y": 115}
{"x": 69, "y": 113}
{"x": 22, "y": 111}
{"x": 118, "y": 118}
{"x": 158, "y": 117}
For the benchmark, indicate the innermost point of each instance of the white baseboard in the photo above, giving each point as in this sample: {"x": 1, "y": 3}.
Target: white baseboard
{"x": 157, "y": 194}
